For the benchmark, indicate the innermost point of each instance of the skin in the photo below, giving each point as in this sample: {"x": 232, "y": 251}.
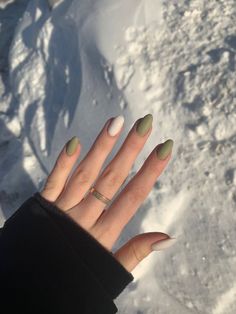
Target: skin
{"x": 70, "y": 194}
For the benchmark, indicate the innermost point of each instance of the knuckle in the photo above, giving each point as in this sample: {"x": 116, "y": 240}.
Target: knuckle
{"x": 83, "y": 176}
{"x": 101, "y": 146}
{"x": 112, "y": 178}
{"x": 138, "y": 253}
{"x": 135, "y": 194}
{"x": 134, "y": 145}
{"x": 49, "y": 185}
{"x": 131, "y": 196}
{"x": 141, "y": 192}
{"x": 62, "y": 163}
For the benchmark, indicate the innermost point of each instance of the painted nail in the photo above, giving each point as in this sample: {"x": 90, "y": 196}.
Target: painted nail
{"x": 144, "y": 124}
{"x": 163, "y": 244}
{"x": 116, "y": 125}
{"x": 72, "y": 145}
{"x": 164, "y": 149}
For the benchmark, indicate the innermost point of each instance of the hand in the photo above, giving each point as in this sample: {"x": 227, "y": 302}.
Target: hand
{"x": 72, "y": 194}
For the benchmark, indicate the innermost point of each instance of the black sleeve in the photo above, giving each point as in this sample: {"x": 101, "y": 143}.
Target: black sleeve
{"x": 50, "y": 264}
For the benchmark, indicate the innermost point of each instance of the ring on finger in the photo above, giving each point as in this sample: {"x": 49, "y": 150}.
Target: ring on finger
{"x": 100, "y": 196}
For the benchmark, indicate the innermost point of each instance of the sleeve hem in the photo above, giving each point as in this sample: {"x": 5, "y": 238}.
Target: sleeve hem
{"x": 112, "y": 274}
{"x": 38, "y": 261}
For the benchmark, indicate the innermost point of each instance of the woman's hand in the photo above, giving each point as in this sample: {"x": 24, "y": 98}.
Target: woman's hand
{"x": 71, "y": 194}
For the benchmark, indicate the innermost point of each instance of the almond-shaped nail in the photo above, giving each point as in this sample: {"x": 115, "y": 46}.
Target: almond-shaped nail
{"x": 164, "y": 149}
{"x": 72, "y": 145}
{"x": 163, "y": 244}
{"x": 144, "y": 125}
{"x": 116, "y": 125}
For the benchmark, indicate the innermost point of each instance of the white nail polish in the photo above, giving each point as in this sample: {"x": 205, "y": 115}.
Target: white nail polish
{"x": 164, "y": 244}
{"x": 116, "y": 125}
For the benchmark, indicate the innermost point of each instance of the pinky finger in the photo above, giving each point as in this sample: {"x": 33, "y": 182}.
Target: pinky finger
{"x": 136, "y": 249}
{"x": 58, "y": 177}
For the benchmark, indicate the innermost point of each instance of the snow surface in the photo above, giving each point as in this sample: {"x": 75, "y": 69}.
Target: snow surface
{"x": 70, "y": 67}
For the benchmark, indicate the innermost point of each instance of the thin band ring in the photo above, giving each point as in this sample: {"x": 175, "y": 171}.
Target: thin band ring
{"x": 99, "y": 196}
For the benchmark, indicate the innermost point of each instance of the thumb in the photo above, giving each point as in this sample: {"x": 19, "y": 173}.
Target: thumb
{"x": 137, "y": 248}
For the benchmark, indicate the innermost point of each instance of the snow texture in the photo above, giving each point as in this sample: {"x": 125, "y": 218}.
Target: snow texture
{"x": 68, "y": 66}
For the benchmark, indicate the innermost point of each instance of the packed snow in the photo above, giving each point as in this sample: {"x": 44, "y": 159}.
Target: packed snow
{"x": 68, "y": 66}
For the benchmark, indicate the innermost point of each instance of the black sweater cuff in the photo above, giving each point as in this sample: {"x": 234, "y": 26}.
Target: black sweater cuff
{"x": 50, "y": 264}
{"x": 112, "y": 275}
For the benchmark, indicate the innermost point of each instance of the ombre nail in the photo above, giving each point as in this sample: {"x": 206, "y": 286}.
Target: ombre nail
{"x": 72, "y": 145}
{"x": 164, "y": 149}
{"x": 144, "y": 125}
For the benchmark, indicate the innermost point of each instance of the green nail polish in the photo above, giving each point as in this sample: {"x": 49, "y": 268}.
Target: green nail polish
{"x": 164, "y": 150}
{"x": 144, "y": 125}
{"x": 72, "y": 145}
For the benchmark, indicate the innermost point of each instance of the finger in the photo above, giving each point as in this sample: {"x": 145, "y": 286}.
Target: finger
{"x": 139, "y": 247}
{"x": 113, "y": 176}
{"x": 62, "y": 168}
{"x": 109, "y": 226}
{"x": 89, "y": 168}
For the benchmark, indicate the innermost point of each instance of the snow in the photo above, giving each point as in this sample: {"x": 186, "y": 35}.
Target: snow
{"x": 4, "y": 3}
{"x": 67, "y": 67}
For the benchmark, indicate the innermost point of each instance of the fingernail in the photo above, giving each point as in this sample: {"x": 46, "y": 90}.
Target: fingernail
{"x": 116, "y": 125}
{"x": 72, "y": 145}
{"x": 163, "y": 244}
{"x": 144, "y": 125}
{"x": 164, "y": 149}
